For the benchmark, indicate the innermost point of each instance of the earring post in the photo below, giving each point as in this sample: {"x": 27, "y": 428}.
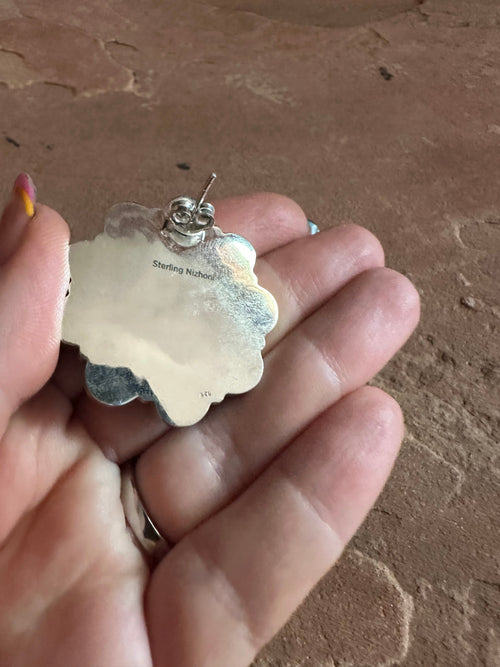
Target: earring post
{"x": 205, "y": 189}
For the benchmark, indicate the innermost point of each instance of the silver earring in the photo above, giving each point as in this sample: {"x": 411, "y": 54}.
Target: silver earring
{"x": 165, "y": 307}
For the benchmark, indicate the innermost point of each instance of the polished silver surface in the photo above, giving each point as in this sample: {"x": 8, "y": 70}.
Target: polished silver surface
{"x": 139, "y": 521}
{"x": 163, "y": 319}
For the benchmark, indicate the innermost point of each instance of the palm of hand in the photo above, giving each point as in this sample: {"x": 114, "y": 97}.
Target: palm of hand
{"x": 259, "y": 498}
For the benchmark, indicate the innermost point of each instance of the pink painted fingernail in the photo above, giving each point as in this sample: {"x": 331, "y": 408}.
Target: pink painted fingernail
{"x": 26, "y": 190}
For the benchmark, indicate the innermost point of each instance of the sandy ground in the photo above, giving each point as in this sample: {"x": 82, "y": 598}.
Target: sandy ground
{"x": 381, "y": 112}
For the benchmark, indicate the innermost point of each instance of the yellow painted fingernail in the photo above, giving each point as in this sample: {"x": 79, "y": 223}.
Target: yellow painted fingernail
{"x": 25, "y": 188}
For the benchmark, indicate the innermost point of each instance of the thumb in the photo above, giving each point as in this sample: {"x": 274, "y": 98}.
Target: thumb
{"x": 33, "y": 285}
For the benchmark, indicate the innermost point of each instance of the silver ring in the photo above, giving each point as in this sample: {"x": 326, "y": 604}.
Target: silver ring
{"x": 142, "y": 527}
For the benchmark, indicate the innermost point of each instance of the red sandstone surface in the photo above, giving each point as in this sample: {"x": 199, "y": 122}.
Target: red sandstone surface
{"x": 381, "y": 112}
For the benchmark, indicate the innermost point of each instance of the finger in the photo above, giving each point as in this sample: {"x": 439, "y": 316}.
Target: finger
{"x": 242, "y": 573}
{"x": 70, "y": 370}
{"x": 268, "y": 221}
{"x": 16, "y": 214}
{"x": 33, "y": 284}
{"x": 188, "y": 474}
{"x": 304, "y": 274}
{"x": 120, "y": 430}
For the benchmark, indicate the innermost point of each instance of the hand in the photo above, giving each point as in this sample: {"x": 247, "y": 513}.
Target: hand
{"x": 259, "y": 498}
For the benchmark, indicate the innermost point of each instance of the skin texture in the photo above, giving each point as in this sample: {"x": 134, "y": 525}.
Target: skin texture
{"x": 258, "y": 500}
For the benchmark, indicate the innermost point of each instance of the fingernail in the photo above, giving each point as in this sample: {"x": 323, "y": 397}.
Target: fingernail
{"x": 313, "y": 227}
{"x": 25, "y": 189}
